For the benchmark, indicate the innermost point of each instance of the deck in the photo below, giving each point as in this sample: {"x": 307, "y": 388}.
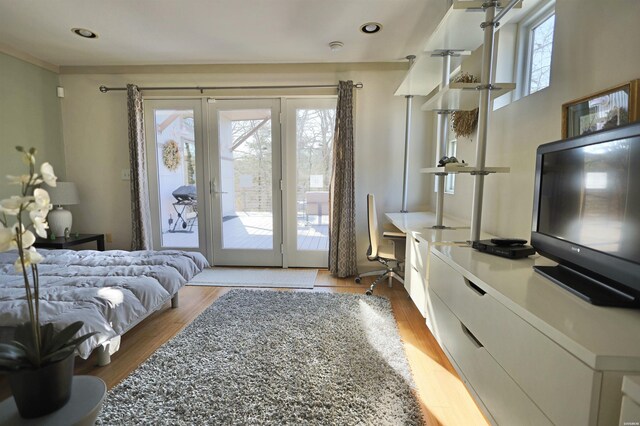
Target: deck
{"x": 254, "y": 231}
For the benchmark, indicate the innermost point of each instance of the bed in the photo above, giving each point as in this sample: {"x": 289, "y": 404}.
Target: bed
{"x": 109, "y": 291}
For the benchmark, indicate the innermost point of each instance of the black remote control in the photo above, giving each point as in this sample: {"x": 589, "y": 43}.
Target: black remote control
{"x": 508, "y": 241}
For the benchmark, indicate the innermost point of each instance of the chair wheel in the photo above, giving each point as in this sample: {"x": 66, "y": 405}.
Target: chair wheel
{"x": 358, "y": 279}
{"x": 368, "y": 292}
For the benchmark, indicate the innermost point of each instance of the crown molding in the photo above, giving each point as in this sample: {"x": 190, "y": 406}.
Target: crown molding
{"x": 24, "y": 56}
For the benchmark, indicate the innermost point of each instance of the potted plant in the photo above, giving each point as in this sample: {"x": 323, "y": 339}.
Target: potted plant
{"x": 39, "y": 361}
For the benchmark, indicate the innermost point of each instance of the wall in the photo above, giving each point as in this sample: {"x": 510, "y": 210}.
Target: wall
{"x": 30, "y": 116}
{"x": 595, "y": 47}
{"x": 95, "y": 133}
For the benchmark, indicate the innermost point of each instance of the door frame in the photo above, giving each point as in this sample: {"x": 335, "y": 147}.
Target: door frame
{"x": 240, "y": 257}
{"x": 150, "y": 105}
{"x": 293, "y": 257}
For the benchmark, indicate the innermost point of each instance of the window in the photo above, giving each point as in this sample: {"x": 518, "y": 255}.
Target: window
{"x": 536, "y": 49}
{"x": 540, "y": 57}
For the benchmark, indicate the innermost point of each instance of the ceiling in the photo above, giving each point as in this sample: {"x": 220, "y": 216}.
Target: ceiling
{"x": 153, "y": 32}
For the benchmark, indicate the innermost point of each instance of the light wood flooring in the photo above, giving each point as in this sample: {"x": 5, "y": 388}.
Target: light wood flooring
{"x": 443, "y": 397}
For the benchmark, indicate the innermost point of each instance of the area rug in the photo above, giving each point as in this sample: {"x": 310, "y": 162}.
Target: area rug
{"x": 256, "y": 277}
{"x": 260, "y": 357}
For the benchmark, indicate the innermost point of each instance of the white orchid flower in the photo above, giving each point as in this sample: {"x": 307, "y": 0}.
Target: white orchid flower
{"x": 46, "y": 170}
{"x": 7, "y": 241}
{"x": 11, "y": 206}
{"x": 39, "y": 221}
{"x": 31, "y": 257}
{"x": 19, "y": 180}
{"x": 27, "y": 236}
{"x": 42, "y": 200}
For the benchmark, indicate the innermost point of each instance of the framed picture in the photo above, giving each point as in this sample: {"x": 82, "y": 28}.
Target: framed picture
{"x": 603, "y": 110}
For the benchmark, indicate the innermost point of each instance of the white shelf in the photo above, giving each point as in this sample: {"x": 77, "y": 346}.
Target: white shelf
{"x": 458, "y": 30}
{"x": 451, "y": 168}
{"x": 461, "y": 96}
{"x": 425, "y": 74}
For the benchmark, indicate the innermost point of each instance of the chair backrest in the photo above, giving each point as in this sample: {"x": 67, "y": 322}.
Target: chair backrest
{"x": 372, "y": 222}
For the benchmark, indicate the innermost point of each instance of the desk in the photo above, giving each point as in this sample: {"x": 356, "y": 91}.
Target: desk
{"x": 63, "y": 243}
{"x": 421, "y": 237}
{"x": 87, "y": 394}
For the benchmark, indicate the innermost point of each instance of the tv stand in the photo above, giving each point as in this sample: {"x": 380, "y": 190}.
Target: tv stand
{"x": 528, "y": 351}
{"x": 593, "y": 291}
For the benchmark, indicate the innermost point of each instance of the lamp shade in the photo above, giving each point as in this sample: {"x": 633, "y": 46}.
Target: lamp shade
{"x": 63, "y": 194}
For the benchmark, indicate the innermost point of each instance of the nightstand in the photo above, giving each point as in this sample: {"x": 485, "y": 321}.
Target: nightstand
{"x": 63, "y": 243}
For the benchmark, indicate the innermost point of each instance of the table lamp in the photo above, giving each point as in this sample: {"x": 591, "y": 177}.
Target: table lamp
{"x": 63, "y": 194}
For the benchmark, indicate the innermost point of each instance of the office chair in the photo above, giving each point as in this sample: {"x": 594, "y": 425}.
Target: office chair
{"x": 384, "y": 252}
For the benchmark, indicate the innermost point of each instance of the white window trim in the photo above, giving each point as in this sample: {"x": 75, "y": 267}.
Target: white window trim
{"x": 524, "y": 45}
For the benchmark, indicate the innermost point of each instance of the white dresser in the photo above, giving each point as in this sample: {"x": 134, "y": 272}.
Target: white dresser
{"x": 420, "y": 238}
{"x": 529, "y": 351}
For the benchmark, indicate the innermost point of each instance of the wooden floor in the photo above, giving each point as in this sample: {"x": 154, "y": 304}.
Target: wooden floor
{"x": 443, "y": 397}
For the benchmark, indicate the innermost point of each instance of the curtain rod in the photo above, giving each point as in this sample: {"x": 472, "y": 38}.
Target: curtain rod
{"x": 105, "y": 89}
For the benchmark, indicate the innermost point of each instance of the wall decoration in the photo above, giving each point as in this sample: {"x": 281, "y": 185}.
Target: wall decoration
{"x": 171, "y": 155}
{"x": 464, "y": 123}
{"x": 603, "y": 110}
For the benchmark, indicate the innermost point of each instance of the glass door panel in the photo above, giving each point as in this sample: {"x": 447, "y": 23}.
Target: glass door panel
{"x": 246, "y": 183}
{"x": 173, "y": 150}
{"x": 310, "y": 127}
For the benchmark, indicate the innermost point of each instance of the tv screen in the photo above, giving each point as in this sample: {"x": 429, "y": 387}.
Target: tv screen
{"x": 587, "y": 210}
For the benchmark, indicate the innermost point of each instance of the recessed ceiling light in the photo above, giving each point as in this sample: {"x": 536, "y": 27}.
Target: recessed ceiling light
{"x": 82, "y": 32}
{"x": 371, "y": 27}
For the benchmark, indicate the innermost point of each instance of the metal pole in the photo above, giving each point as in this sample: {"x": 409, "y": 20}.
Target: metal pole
{"x": 441, "y": 144}
{"x": 105, "y": 89}
{"x": 483, "y": 118}
{"x": 407, "y": 140}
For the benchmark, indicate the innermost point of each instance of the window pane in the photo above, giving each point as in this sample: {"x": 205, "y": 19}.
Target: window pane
{"x": 541, "y": 51}
{"x": 175, "y": 142}
{"x": 246, "y": 186}
{"x": 314, "y": 143}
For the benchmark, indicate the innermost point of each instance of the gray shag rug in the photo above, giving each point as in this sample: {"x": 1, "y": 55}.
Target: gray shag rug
{"x": 274, "y": 358}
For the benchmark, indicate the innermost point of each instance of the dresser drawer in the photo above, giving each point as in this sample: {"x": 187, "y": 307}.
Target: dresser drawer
{"x": 506, "y": 402}
{"x": 419, "y": 252}
{"x": 544, "y": 370}
{"x": 416, "y": 286}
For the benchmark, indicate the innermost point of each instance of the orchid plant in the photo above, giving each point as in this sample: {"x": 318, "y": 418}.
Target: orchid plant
{"x": 34, "y": 345}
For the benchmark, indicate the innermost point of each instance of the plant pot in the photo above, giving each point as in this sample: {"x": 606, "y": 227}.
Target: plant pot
{"x": 41, "y": 391}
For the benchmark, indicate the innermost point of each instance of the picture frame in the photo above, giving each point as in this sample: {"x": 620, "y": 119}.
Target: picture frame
{"x": 603, "y": 110}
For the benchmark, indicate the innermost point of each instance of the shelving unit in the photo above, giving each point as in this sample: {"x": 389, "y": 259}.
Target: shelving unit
{"x": 429, "y": 76}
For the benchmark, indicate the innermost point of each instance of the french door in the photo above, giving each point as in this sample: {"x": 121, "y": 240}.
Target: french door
{"x": 243, "y": 181}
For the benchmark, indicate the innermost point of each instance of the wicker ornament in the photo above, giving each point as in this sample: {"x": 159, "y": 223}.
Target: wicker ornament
{"x": 171, "y": 155}
{"x": 464, "y": 123}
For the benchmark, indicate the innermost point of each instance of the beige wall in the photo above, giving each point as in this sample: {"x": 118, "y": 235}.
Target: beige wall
{"x": 95, "y": 134}
{"x": 29, "y": 116}
{"x": 595, "y": 47}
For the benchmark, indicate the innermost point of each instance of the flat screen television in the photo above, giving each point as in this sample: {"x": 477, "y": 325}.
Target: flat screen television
{"x": 586, "y": 215}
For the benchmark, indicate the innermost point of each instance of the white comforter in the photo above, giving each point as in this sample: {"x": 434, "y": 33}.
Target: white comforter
{"x": 109, "y": 291}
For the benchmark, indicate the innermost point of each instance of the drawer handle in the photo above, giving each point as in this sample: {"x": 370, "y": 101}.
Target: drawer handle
{"x": 415, "y": 269}
{"x": 475, "y": 288}
{"x": 471, "y": 337}
{"x": 417, "y": 240}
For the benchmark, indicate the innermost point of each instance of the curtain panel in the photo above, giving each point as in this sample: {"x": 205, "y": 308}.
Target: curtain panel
{"x": 140, "y": 209}
{"x": 342, "y": 225}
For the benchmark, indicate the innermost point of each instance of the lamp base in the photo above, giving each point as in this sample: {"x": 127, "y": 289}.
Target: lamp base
{"x": 59, "y": 219}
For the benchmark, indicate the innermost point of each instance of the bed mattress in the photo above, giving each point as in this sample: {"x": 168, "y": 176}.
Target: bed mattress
{"x": 109, "y": 291}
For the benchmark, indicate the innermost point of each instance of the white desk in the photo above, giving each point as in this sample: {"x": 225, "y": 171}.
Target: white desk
{"x": 421, "y": 237}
